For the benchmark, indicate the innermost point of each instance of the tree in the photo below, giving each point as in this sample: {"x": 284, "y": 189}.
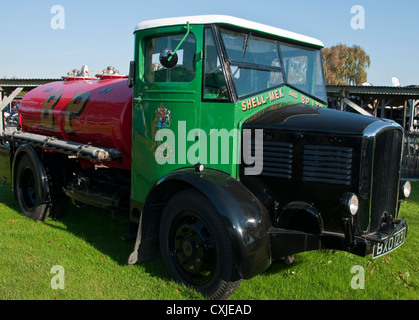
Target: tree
{"x": 345, "y": 65}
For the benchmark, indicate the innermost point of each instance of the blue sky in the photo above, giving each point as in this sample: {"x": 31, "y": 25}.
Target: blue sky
{"x": 100, "y": 33}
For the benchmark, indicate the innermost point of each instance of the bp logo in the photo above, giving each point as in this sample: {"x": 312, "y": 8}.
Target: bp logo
{"x": 163, "y": 117}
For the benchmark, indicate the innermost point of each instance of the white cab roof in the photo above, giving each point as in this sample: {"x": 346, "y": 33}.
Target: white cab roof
{"x": 223, "y": 19}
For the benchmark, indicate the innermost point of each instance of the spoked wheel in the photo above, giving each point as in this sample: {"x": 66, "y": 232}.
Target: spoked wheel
{"x": 195, "y": 246}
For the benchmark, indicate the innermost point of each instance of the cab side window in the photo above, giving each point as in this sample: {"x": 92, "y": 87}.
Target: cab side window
{"x": 185, "y": 68}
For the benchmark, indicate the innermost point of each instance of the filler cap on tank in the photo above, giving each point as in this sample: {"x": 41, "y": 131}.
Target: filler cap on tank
{"x": 76, "y": 74}
{"x": 110, "y": 73}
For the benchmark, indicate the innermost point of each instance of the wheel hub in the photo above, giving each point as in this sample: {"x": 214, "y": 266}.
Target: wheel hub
{"x": 190, "y": 247}
{"x": 187, "y": 248}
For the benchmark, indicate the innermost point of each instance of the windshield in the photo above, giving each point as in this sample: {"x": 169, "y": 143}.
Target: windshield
{"x": 258, "y": 64}
{"x": 304, "y": 70}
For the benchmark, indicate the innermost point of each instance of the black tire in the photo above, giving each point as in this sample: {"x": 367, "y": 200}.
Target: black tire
{"x": 28, "y": 186}
{"x": 195, "y": 246}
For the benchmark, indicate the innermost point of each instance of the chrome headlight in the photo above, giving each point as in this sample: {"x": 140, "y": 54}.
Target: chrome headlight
{"x": 350, "y": 203}
{"x": 405, "y": 189}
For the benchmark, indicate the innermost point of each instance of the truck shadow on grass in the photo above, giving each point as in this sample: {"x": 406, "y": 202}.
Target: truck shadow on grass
{"x": 100, "y": 228}
{"x": 105, "y": 230}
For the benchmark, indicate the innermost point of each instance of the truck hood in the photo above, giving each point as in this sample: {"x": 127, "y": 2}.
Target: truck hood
{"x": 304, "y": 118}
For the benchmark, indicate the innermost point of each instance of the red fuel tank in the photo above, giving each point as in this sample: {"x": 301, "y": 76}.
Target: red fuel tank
{"x": 96, "y": 111}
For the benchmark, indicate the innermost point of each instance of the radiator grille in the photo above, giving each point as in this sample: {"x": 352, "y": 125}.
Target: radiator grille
{"x": 277, "y": 159}
{"x": 385, "y": 180}
{"x": 327, "y": 164}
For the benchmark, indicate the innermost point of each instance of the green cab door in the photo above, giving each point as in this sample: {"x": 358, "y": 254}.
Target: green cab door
{"x": 166, "y": 103}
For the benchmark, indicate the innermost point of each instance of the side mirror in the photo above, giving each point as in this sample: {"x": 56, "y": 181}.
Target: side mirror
{"x": 168, "y": 59}
{"x": 131, "y": 75}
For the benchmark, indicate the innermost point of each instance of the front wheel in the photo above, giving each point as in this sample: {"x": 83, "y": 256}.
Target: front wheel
{"x": 195, "y": 246}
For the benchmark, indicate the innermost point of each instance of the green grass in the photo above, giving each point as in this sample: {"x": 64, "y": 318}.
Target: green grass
{"x": 87, "y": 244}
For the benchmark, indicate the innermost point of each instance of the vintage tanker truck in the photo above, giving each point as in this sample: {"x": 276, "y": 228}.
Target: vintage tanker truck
{"x": 219, "y": 146}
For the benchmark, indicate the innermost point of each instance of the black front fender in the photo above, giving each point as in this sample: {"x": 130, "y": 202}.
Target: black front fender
{"x": 245, "y": 218}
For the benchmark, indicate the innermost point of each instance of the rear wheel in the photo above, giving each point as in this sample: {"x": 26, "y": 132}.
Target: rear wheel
{"x": 28, "y": 189}
{"x": 195, "y": 246}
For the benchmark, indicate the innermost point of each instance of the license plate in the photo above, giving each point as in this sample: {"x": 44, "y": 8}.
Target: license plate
{"x": 390, "y": 244}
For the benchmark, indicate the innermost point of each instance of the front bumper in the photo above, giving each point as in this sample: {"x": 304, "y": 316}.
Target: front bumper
{"x": 381, "y": 243}
{"x": 288, "y": 242}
